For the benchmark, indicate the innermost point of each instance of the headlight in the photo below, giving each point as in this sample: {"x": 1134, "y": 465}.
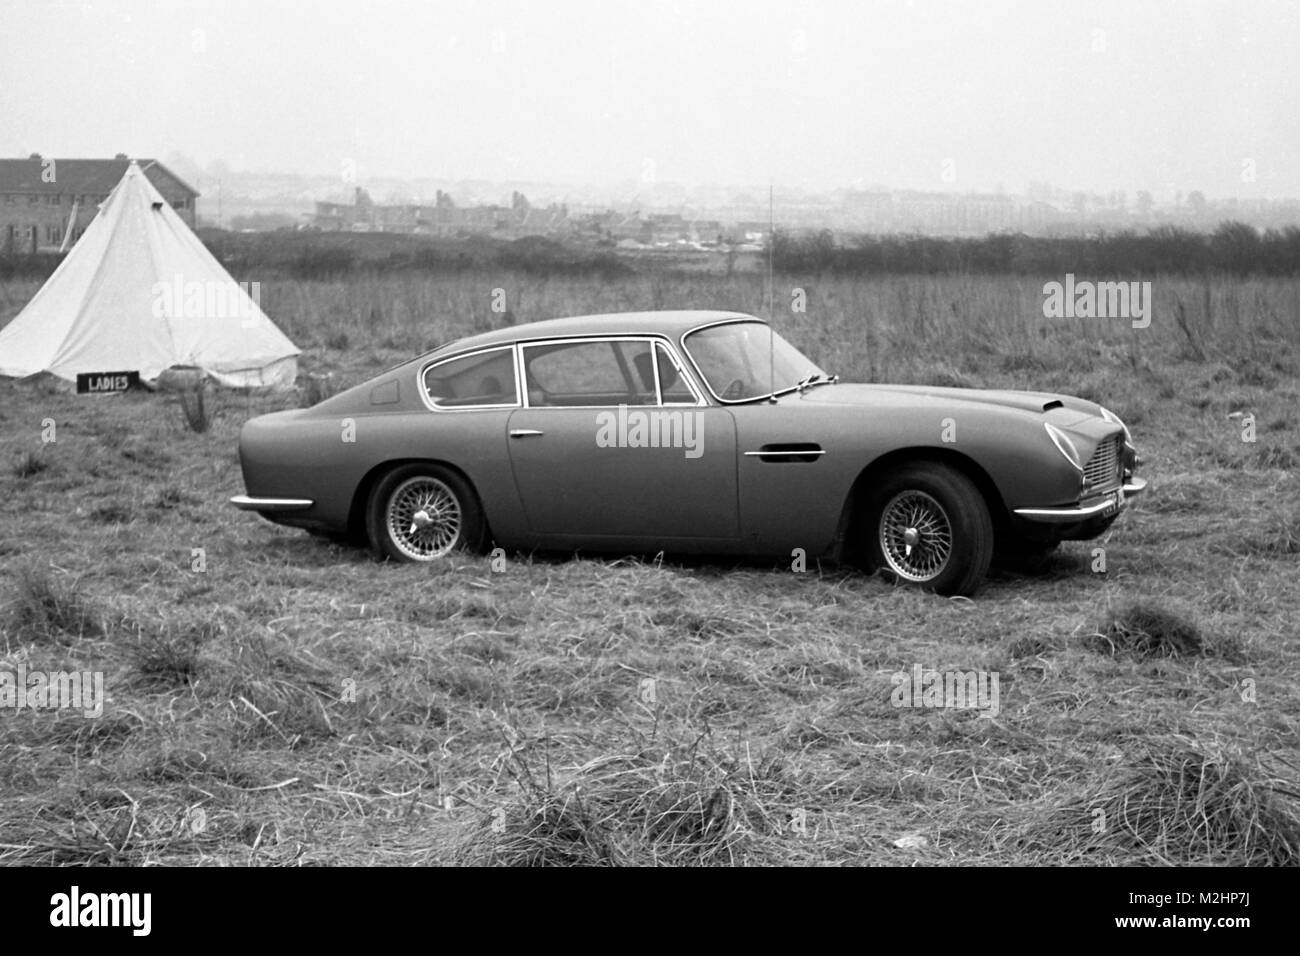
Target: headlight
{"x": 1065, "y": 446}
{"x": 1115, "y": 420}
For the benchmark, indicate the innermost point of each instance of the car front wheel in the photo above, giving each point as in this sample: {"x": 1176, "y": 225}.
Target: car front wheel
{"x": 931, "y": 529}
{"x": 422, "y": 513}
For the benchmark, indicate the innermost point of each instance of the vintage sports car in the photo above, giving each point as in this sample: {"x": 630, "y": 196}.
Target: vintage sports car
{"x": 687, "y": 432}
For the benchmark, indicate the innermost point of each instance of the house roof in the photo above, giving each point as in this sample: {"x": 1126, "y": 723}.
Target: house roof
{"x": 93, "y": 176}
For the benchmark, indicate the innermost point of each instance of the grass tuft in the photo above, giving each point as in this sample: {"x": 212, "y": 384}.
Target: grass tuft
{"x": 1147, "y": 631}
{"x": 170, "y": 656}
{"x": 51, "y": 609}
{"x": 658, "y": 806}
{"x": 1178, "y": 804}
{"x": 30, "y": 464}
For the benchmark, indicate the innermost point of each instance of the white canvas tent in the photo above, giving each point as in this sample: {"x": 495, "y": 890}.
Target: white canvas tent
{"x": 141, "y": 293}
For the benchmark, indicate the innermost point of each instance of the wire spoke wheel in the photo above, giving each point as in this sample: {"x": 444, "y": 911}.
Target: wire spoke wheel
{"x": 915, "y": 536}
{"x": 423, "y": 518}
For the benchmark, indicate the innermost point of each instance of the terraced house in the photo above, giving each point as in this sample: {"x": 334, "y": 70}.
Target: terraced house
{"x": 46, "y": 203}
{"x": 444, "y": 217}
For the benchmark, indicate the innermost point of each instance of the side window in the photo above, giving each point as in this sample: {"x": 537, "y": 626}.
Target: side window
{"x": 671, "y": 383}
{"x": 486, "y": 378}
{"x": 589, "y": 373}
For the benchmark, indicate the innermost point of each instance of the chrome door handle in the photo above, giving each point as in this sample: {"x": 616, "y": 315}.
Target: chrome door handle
{"x": 525, "y": 432}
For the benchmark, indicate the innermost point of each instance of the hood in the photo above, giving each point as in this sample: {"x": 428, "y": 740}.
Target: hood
{"x": 1066, "y": 408}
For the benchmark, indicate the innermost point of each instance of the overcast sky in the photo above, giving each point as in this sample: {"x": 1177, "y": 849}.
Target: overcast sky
{"x": 931, "y": 95}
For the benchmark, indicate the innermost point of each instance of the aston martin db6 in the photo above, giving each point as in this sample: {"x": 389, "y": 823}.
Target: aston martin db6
{"x": 687, "y": 432}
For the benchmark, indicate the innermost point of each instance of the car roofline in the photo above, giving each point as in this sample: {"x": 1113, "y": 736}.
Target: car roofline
{"x": 530, "y": 331}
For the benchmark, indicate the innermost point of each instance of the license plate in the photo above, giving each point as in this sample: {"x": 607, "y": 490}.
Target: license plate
{"x": 1116, "y": 502}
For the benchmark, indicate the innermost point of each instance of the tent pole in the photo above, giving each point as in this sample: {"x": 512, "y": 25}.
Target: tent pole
{"x": 72, "y": 223}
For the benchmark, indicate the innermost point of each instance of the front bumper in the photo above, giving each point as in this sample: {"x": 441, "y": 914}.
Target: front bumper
{"x": 265, "y": 505}
{"x": 1107, "y": 506}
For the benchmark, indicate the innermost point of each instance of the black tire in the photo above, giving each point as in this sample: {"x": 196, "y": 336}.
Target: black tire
{"x": 930, "y": 528}
{"x": 455, "y": 523}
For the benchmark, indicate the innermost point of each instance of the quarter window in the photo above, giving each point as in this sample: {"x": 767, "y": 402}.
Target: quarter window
{"x": 481, "y": 379}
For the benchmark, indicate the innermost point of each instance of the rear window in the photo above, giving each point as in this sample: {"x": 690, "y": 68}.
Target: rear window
{"x": 481, "y": 379}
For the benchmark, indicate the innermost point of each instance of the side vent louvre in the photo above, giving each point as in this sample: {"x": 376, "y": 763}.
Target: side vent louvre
{"x": 788, "y": 452}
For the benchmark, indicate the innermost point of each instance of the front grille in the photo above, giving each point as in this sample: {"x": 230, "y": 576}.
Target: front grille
{"x": 1102, "y": 468}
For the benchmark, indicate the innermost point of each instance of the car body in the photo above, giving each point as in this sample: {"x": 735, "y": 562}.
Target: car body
{"x": 686, "y": 432}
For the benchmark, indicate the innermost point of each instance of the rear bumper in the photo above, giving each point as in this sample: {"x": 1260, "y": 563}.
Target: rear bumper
{"x": 265, "y": 505}
{"x": 1107, "y": 506}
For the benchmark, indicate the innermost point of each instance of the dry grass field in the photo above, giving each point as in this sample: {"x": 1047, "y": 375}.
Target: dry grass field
{"x": 277, "y": 699}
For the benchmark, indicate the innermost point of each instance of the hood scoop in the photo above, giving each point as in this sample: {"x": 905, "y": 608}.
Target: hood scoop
{"x": 1054, "y": 403}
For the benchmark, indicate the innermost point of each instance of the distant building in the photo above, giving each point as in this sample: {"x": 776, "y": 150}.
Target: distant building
{"x": 632, "y": 227}
{"x": 42, "y": 199}
{"x": 443, "y": 218}
{"x": 707, "y": 232}
{"x": 748, "y": 233}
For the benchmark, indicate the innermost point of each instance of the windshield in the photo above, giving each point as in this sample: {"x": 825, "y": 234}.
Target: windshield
{"x": 744, "y": 360}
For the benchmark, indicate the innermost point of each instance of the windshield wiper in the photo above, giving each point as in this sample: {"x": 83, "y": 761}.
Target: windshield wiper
{"x": 817, "y": 378}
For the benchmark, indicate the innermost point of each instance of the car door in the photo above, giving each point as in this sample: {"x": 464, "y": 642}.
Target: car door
{"x": 792, "y": 485}
{"x": 597, "y": 454}
{"x": 469, "y": 398}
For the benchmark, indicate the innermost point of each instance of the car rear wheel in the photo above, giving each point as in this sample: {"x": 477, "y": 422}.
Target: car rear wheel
{"x": 931, "y": 528}
{"x": 423, "y": 513}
